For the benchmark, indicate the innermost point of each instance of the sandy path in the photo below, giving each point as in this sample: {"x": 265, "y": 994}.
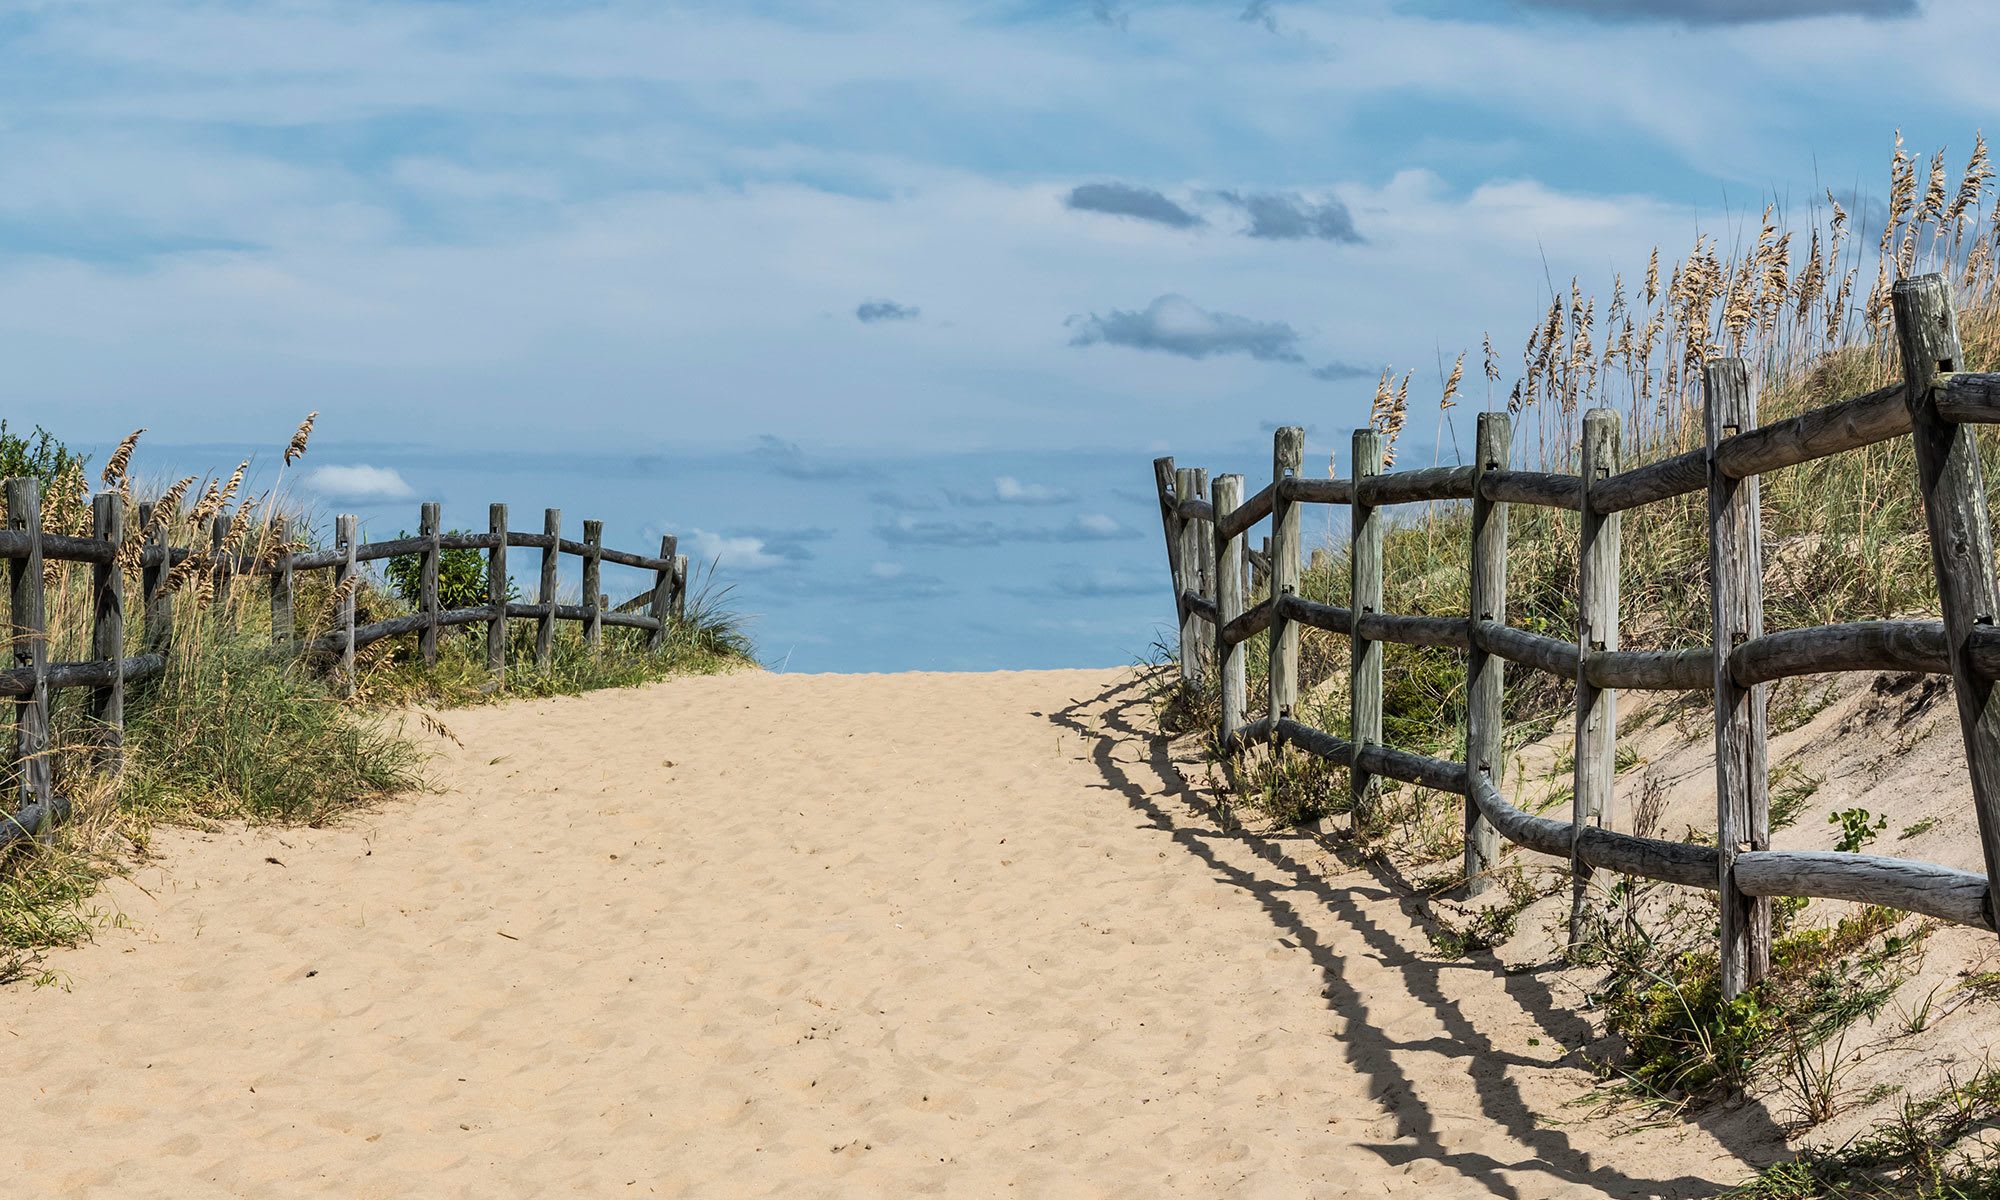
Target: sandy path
{"x": 794, "y": 936}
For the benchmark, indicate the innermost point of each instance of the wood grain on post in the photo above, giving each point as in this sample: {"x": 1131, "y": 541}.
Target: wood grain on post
{"x": 1204, "y": 545}
{"x": 153, "y": 594}
{"x": 1954, "y": 491}
{"x": 1164, "y": 485}
{"x": 663, "y": 589}
{"x": 346, "y": 582}
{"x": 1288, "y": 448}
{"x": 545, "y": 625}
{"x": 222, "y": 570}
{"x": 1227, "y": 494}
{"x": 593, "y": 608}
{"x": 284, "y": 622}
{"x": 1736, "y": 575}
{"x": 107, "y": 631}
{"x": 1485, "y": 672}
{"x": 1365, "y": 598}
{"x": 28, "y": 617}
{"x": 496, "y": 593}
{"x": 1188, "y": 563}
{"x": 427, "y": 581}
{"x": 1596, "y": 632}
{"x": 680, "y": 587}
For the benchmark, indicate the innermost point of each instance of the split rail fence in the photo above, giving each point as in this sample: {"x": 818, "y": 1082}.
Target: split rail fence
{"x": 27, "y": 546}
{"x": 1935, "y": 405}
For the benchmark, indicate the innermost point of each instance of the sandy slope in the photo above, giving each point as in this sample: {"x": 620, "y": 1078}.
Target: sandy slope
{"x": 796, "y": 936}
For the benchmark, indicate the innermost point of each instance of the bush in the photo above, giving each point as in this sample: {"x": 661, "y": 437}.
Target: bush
{"x": 461, "y": 578}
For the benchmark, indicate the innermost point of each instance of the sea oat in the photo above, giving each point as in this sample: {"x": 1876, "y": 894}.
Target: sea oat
{"x": 297, "y": 447}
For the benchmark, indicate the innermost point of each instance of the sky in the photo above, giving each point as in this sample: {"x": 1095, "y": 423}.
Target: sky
{"x": 882, "y": 308}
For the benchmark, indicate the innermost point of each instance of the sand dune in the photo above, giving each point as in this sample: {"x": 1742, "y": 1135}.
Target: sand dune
{"x": 764, "y": 935}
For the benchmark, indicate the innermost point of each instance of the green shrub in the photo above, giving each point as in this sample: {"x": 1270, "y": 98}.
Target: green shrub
{"x": 461, "y": 578}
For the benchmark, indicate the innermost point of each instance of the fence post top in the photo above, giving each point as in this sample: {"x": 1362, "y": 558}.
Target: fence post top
{"x": 1291, "y": 438}
{"x": 1602, "y": 417}
{"x": 1914, "y": 282}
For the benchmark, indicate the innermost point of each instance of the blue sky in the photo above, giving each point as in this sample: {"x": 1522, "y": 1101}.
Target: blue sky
{"x": 886, "y": 306}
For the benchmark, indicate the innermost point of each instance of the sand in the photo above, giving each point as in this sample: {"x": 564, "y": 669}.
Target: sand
{"x": 798, "y": 936}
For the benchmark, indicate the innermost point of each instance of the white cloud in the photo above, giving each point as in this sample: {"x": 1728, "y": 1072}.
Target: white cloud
{"x": 885, "y": 570}
{"x": 358, "y": 482}
{"x": 739, "y": 553}
{"x": 1009, "y": 490}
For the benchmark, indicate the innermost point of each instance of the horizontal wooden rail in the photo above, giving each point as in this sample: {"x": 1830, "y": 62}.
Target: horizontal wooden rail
{"x": 395, "y": 547}
{"x": 1254, "y": 621}
{"x": 1196, "y": 509}
{"x": 1925, "y": 888}
{"x": 1200, "y": 606}
{"x": 98, "y": 673}
{"x": 1819, "y": 433}
{"x": 1968, "y": 398}
{"x": 1532, "y": 487}
{"x": 32, "y": 819}
{"x": 1412, "y": 487}
{"x": 1299, "y": 489}
{"x": 1252, "y": 510}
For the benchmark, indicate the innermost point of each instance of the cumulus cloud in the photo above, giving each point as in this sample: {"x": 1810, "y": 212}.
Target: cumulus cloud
{"x": 1287, "y": 216}
{"x": 1177, "y": 325}
{"x": 1727, "y": 12}
{"x": 789, "y": 460}
{"x": 1124, "y": 200}
{"x": 736, "y": 552}
{"x": 1007, "y": 489}
{"x": 358, "y": 482}
{"x": 870, "y": 312}
{"x": 1085, "y": 527}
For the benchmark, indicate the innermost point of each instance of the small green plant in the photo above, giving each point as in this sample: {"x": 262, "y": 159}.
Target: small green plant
{"x": 1917, "y": 829}
{"x": 461, "y": 578}
{"x": 1791, "y": 788}
{"x": 1858, "y": 827}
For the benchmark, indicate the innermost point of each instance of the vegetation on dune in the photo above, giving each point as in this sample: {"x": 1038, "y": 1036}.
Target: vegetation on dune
{"x": 231, "y": 729}
{"x": 1806, "y": 300}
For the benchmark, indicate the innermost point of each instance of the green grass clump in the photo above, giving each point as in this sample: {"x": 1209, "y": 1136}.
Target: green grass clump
{"x": 1684, "y": 1042}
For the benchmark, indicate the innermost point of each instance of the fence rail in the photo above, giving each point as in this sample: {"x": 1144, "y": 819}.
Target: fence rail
{"x": 27, "y": 547}
{"x": 1207, "y": 525}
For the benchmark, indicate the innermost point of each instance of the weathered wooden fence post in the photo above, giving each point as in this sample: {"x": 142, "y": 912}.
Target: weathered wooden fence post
{"x": 1204, "y": 549}
{"x": 593, "y": 608}
{"x": 28, "y": 616}
{"x": 284, "y": 624}
{"x": 1288, "y": 449}
{"x": 1165, "y": 484}
{"x": 680, "y": 587}
{"x": 222, "y": 571}
{"x": 660, "y": 607}
{"x": 106, "y": 705}
{"x": 1736, "y": 586}
{"x": 1485, "y": 674}
{"x": 157, "y": 557}
{"x": 496, "y": 593}
{"x": 545, "y": 627}
{"x": 1954, "y": 491}
{"x": 1365, "y": 598}
{"x": 427, "y": 581}
{"x": 1596, "y": 631}
{"x": 1227, "y": 495}
{"x": 346, "y": 582}
{"x": 1187, "y": 485}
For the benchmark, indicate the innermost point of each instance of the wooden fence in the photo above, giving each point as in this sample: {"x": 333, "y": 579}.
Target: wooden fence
{"x": 1933, "y": 405}
{"x": 27, "y": 546}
